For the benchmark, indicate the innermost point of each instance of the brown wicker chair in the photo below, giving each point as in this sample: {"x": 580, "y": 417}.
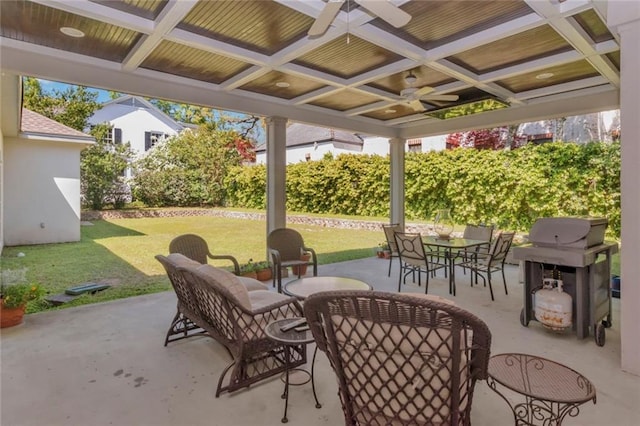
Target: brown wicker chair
{"x": 389, "y": 233}
{"x": 286, "y": 247}
{"x": 236, "y": 318}
{"x": 196, "y": 248}
{"x": 400, "y": 359}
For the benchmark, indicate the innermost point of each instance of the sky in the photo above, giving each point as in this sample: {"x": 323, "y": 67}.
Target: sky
{"x": 103, "y": 96}
{"x": 47, "y": 86}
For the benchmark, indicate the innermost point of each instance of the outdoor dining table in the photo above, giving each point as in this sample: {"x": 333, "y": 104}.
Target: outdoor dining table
{"x": 448, "y": 246}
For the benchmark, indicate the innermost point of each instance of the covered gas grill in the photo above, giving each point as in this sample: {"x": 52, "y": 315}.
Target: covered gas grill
{"x": 573, "y": 251}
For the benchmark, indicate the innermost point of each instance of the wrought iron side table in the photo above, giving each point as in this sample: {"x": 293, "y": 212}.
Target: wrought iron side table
{"x": 289, "y": 339}
{"x": 552, "y": 391}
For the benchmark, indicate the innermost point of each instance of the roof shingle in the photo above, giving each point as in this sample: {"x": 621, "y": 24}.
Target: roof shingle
{"x": 32, "y": 122}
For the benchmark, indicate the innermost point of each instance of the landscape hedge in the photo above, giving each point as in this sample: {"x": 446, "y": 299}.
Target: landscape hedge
{"x": 508, "y": 188}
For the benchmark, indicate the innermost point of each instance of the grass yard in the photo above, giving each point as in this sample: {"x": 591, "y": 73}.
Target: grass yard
{"x": 121, "y": 252}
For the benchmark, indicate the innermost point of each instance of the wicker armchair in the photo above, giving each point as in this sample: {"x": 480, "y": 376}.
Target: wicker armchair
{"x": 236, "y": 318}
{"x": 196, "y": 248}
{"x": 400, "y": 359}
{"x": 286, "y": 247}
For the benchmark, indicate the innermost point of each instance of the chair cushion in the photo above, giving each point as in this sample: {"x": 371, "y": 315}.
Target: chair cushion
{"x": 230, "y": 282}
{"x": 182, "y": 261}
{"x": 261, "y": 298}
{"x": 252, "y": 284}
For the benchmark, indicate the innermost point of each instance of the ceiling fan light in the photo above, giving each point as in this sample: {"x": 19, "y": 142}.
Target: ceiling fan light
{"x": 410, "y": 79}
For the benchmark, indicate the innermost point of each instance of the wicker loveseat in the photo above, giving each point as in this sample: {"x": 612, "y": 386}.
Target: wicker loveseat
{"x": 215, "y": 302}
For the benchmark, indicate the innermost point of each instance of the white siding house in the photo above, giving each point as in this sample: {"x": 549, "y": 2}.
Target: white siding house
{"x": 305, "y": 143}
{"x": 137, "y": 121}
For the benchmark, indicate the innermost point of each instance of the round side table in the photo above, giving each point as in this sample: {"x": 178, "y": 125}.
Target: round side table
{"x": 289, "y": 339}
{"x": 305, "y": 287}
{"x": 552, "y": 391}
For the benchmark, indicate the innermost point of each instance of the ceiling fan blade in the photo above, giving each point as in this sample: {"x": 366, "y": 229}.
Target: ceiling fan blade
{"x": 446, "y": 98}
{"x": 424, "y": 90}
{"x": 386, "y": 11}
{"x": 326, "y": 17}
{"x": 417, "y": 105}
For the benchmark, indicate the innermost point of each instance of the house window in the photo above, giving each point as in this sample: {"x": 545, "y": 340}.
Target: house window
{"x": 112, "y": 135}
{"x": 414, "y": 145}
{"x": 152, "y": 138}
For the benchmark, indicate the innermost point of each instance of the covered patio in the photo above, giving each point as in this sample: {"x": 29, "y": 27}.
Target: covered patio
{"x": 105, "y": 364}
{"x": 537, "y": 59}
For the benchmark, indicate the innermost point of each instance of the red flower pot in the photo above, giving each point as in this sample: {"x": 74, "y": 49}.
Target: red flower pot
{"x": 11, "y": 316}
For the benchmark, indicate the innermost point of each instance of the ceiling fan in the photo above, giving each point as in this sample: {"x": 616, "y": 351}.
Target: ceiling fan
{"x": 381, "y": 8}
{"x": 414, "y": 95}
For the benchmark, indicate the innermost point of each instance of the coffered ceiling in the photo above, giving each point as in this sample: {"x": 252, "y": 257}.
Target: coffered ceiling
{"x": 536, "y": 58}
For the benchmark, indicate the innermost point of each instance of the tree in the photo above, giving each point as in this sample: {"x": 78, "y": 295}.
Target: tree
{"x": 102, "y": 168}
{"x": 189, "y": 169}
{"x": 71, "y": 107}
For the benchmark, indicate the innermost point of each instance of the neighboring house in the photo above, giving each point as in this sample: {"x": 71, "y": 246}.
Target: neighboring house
{"x": 305, "y": 143}
{"x": 41, "y": 180}
{"x": 137, "y": 121}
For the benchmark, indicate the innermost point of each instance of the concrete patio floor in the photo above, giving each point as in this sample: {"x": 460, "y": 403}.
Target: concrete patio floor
{"x": 105, "y": 364}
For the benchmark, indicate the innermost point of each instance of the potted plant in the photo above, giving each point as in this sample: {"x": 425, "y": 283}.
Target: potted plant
{"x": 249, "y": 269}
{"x": 14, "y": 298}
{"x": 263, "y": 270}
{"x": 383, "y": 251}
{"x": 306, "y": 256}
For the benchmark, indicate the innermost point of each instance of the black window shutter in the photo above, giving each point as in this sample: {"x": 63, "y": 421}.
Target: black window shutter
{"x": 147, "y": 141}
{"x": 117, "y": 136}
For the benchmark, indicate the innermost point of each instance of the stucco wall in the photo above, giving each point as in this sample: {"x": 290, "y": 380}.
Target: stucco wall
{"x": 42, "y": 192}
{"x": 1, "y": 191}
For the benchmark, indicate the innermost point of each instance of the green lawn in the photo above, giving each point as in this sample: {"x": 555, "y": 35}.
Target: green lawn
{"x": 121, "y": 251}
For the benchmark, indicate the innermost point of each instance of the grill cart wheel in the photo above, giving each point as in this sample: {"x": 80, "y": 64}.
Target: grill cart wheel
{"x": 522, "y": 320}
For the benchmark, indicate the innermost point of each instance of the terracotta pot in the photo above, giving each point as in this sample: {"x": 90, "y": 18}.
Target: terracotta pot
{"x": 386, "y": 254}
{"x": 264, "y": 274}
{"x": 303, "y": 268}
{"x": 11, "y": 316}
{"x": 380, "y": 254}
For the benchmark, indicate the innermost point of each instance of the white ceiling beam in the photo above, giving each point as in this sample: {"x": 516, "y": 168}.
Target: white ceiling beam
{"x": 218, "y": 47}
{"x": 562, "y": 88}
{"x": 244, "y": 77}
{"x": 171, "y": 15}
{"x": 101, "y": 13}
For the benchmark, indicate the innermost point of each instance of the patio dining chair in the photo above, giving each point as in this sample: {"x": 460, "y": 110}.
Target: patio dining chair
{"x": 287, "y": 247}
{"x": 389, "y": 233}
{"x": 484, "y": 264}
{"x": 400, "y": 359}
{"x": 414, "y": 259}
{"x": 196, "y": 248}
{"x": 476, "y": 232}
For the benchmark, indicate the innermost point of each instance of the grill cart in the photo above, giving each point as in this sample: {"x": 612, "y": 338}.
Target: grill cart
{"x": 573, "y": 251}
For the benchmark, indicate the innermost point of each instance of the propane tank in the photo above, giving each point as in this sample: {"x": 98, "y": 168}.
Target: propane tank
{"x": 552, "y": 306}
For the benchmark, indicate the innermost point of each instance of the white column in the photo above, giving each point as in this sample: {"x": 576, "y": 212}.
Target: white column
{"x": 276, "y": 173}
{"x": 396, "y": 151}
{"x": 630, "y": 195}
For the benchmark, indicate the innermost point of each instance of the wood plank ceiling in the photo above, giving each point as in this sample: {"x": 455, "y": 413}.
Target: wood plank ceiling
{"x": 514, "y": 51}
